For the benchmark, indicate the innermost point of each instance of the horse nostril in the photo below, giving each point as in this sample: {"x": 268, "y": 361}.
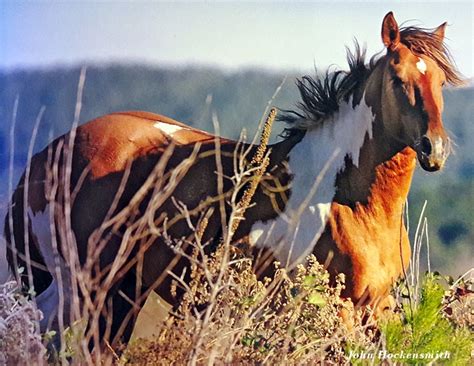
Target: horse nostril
{"x": 426, "y": 145}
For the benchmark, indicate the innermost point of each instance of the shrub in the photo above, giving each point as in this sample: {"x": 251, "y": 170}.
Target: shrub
{"x": 291, "y": 319}
{"x": 295, "y": 319}
{"x": 20, "y": 340}
{"x": 423, "y": 330}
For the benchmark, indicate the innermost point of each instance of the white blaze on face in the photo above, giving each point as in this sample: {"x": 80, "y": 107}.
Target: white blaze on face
{"x": 421, "y": 65}
{"x": 293, "y": 234}
{"x": 167, "y": 128}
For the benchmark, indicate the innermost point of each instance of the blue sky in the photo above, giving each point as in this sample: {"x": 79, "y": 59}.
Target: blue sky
{"x": 284, "y": 35}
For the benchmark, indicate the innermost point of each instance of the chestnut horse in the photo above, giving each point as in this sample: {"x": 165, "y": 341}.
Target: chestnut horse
{"x": 335, "y": 186}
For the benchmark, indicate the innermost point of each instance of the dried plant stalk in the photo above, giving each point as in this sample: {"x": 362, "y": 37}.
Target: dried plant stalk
{"x": 259, "y": 161}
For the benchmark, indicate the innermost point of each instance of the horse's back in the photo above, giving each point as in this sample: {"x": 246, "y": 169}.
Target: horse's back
{"x": 109, "y": 142}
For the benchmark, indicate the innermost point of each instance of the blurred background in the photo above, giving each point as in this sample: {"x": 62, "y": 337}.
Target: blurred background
{"x": 189, "y": 60}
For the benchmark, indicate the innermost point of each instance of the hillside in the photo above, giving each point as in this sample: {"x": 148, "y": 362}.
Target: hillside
{"x": 191, "y": 95}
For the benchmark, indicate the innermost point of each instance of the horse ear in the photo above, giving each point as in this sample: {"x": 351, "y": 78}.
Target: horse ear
{"x": 439, "y": 32}
{"x": 390, "y": 31}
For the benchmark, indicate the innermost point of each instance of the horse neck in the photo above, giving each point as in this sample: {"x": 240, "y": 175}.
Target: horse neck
{"x": 352, "y": 152}
{"x": 377, "y": 186}
{"x": 316, "y": 157}
{"x": 383, "y": 176}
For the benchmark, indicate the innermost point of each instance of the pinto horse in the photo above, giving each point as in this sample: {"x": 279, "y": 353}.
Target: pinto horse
{"x": 335, "y": 186}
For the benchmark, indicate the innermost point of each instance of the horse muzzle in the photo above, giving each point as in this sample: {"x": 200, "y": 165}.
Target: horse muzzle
{"x": 432, "y": 152}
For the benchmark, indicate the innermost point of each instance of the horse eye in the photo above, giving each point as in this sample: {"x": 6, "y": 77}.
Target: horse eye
{"x": 443, "y": 83}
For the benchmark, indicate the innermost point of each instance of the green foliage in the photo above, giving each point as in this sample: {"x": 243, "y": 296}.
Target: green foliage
{"x": 422, "y": 329}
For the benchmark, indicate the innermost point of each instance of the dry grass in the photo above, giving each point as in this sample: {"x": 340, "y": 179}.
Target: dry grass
{"x": 20, "y": 339}
{"x": 291, "y": 319}
{"x": 296, "y": 319}
{"x": 82, "y": 288}
{"x": 226, "y": 316}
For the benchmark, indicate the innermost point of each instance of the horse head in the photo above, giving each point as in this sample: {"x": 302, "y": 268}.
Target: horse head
{"x": 415, "y": 69}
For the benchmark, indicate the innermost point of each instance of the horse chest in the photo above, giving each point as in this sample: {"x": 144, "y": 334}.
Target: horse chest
{"x": 370, "y": 247}
{"x": 369, "y": 240}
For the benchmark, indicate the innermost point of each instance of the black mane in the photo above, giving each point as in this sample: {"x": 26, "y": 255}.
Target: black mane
{"x": 321, "y": 96}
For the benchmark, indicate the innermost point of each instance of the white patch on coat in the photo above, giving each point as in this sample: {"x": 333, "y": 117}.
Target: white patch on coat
{"x": 41, "y": 229}
{"x": 421, "y": 66}
{"x": 48, "y": 303}
{"x": 48, "y": 300}
{"x": 294, "y": 233}
{"x": 255, "y": 235}
{"x": 167, "y": 128}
